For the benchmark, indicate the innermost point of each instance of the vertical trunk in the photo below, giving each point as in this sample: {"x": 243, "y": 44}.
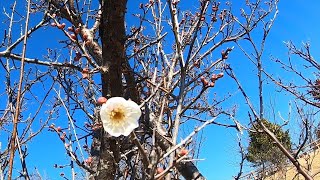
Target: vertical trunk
{"x": 112, "y": 32}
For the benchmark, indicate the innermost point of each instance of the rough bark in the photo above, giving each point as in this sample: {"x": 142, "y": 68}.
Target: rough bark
{"x": 112, "y": 32}
{"x": 103, "y": 163}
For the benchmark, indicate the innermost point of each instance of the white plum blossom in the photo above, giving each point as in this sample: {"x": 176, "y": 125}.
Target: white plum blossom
{"x": 119, "y": 116}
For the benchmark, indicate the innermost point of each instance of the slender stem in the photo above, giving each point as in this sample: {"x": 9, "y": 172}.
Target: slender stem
{"x": 260, "y": 86}
{"x": 17, "y": 112}
{"x": 178, "y": 56}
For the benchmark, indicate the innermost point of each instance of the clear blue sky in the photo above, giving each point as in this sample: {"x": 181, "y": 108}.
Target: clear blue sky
{"x": 297, "y": 21}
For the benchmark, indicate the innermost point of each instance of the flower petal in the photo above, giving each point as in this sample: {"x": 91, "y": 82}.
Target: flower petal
{"x": 132, "y": 123}
{"x": 104, "y": 112}
{"x": 117, "y": 100}
{"x": 133, "y": 109}
{"x": 115, "y": 131}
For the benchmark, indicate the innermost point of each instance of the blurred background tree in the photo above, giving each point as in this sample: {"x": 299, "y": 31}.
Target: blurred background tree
{"x": 262, "y": 150}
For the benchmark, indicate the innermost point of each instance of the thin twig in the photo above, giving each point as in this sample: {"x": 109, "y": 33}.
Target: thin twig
{"x": 187, "y": 138}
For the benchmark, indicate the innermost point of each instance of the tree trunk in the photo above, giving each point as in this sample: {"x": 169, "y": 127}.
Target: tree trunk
{"x": 112, "y": 32}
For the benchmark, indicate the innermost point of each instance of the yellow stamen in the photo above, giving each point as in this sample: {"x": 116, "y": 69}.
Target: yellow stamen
{"x": 117, "y": 115}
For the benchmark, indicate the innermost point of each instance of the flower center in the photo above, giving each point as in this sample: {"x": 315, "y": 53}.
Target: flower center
{"x": 117, "y": 115}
